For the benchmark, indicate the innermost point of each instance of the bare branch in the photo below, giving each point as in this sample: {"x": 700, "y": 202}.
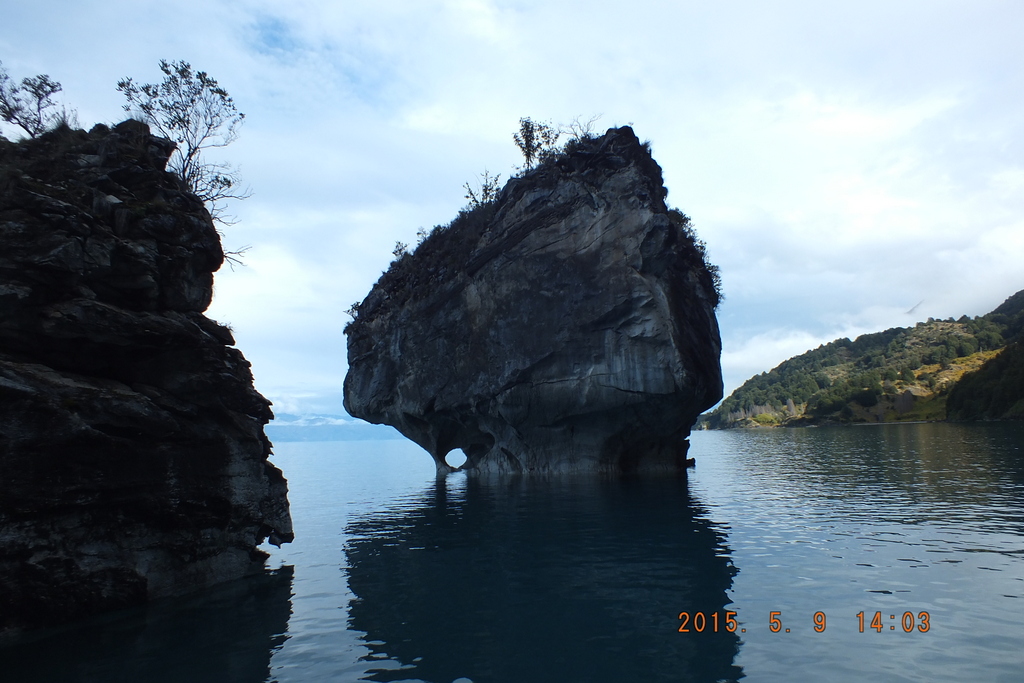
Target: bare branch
{"x": 234, "y": 258}
{"x": 579, "y": 129}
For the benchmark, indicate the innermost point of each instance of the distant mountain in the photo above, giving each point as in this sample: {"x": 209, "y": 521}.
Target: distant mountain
{"x": 289, "y": 427}
{"x": 971, "y": 368}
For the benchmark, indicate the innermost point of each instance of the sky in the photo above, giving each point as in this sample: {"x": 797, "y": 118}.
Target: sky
{"x": 851, "y": 166}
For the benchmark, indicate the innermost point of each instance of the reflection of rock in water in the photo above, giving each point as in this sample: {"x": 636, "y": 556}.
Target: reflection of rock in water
{"x": 550, "y": 580}
{"x": 225, "y": 633}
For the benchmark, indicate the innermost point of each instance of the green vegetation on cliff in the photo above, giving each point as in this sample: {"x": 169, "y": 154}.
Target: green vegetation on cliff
{"x": 996, "y": 391}
{"x": 902, "y": 374}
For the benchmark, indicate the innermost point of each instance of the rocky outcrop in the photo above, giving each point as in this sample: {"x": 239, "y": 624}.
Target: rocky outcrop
{"x": 131, "y": 437}
{"x": 567, "y": 325}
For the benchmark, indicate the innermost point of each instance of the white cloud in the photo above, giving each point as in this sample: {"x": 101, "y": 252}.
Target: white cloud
{"x": 762, "y": 352}
{"x": 842, "y": 162}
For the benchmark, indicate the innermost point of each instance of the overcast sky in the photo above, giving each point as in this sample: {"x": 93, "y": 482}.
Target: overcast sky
{"x": 851, "y": 168}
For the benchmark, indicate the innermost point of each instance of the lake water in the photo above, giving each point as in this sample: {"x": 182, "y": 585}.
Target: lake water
{"x": 396, "y": 575}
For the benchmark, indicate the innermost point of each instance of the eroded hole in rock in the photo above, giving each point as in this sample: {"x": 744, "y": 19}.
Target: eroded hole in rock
{"x": 455, "y": 458}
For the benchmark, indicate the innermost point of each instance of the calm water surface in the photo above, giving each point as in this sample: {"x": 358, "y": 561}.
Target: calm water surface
{"x": 398, "y": 576}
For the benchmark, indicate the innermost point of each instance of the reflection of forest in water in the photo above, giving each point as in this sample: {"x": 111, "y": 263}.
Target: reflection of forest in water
{"x": 224, "y": 633}
{"x": 573, "y": 579}
{"x": 929, "y": 464}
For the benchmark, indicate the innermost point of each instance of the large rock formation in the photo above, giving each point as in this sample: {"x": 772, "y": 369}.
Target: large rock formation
{"x": 131, "y": 437}
{"x": 567, "y": 325}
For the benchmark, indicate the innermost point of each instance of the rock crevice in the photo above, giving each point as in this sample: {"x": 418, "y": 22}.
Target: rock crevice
{"x": 568, "y": 325}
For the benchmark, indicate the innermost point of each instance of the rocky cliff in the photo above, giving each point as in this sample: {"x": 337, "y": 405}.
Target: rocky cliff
{"x": 567, "y": 325}
{"x": 131, "y": 437}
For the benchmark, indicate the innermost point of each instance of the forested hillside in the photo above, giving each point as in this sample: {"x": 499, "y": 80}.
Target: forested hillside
{"x": 970, "y": 366}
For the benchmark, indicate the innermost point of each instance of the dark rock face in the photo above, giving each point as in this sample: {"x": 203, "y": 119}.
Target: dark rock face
{"x": 569, "y": 325}
{"x": 131, "y": 437}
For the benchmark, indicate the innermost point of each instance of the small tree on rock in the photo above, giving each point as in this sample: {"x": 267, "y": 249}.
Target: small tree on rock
{"x": 191, "y": 109}
{"x": 29, "y": 105}
{"x": 489, "y": 189}
{"x": 537, "y": 141}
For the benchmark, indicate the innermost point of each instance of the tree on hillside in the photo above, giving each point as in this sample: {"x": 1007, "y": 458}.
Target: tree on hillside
{"x": 191, "y": 109}
{"x": 30, "y": 105}
{"x": 537, "y": 141}
{"x": 489, "y": 189}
